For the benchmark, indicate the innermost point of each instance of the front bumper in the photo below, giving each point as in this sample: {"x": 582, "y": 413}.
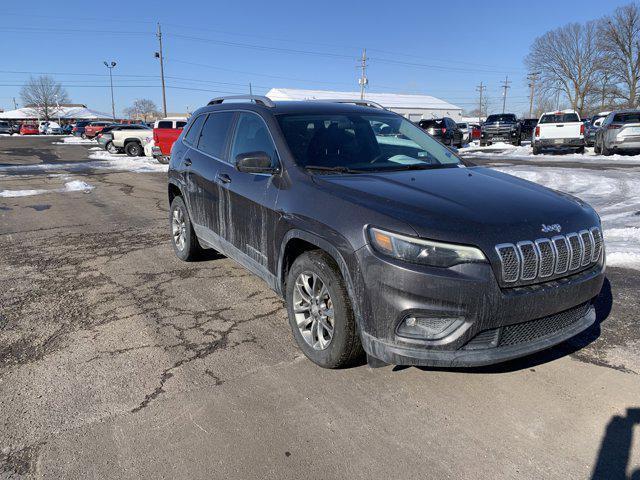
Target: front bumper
{"x": 392, "y": 291}
{"x": 499, "y": 136}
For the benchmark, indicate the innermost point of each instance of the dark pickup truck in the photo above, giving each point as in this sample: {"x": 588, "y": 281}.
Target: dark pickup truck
{"x": 503, "y": 127}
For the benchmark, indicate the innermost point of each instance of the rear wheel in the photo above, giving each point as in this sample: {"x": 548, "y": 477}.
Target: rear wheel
{"x": 596, "y": 148}
{"x": 133, "y": 149}
{"x": 183, "y": 237}
{"x": 320, "y": 312}
{"x": 536, "y": 150}
{"x": 604, "y": 150}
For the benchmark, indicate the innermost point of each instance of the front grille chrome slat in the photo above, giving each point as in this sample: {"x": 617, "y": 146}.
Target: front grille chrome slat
{"x": 526, "y": 261}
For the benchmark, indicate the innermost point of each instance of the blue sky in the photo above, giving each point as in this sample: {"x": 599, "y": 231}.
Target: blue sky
{"x": 213, "y": 48}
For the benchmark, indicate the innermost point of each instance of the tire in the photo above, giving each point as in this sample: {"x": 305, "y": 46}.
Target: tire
{"x": 604, "y": 150}
{"x": 111, "y": 148}
{"x": 536, "y": 150}
{"x": 162, "y": 159}
{"x": 188, "y": 249}
{"x": 483, "y": 144}
{"x": 596, "y": 148}
{"x": 580, "y": 150}
{"x": 83, "y": 136}
{"x": 343, "y": 346}
{"x": 133, "y": 149}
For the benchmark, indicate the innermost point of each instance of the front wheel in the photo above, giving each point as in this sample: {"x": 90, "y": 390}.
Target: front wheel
{"x": 111, "y": 148}
{"x": 185, "y": 243}
{"x": 320, "y": 311}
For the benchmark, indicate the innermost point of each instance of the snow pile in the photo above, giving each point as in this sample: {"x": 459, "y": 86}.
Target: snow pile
{"x": 75, "y": 141}
{"x": 525, "y": 152}
{"x": 73, "y": 186}
{"x": 614, "y": 194}
{"x": 122, "y": 162}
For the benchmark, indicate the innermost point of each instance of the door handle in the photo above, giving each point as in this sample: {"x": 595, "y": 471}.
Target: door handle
{"x": 223, "y": 178}
{"x": 187, "y": 162}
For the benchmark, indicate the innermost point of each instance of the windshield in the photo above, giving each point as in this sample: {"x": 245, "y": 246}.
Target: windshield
{"x": 501, "y": 118}
{"x": 560, "y": 118}
{"x": 362, "y": 143}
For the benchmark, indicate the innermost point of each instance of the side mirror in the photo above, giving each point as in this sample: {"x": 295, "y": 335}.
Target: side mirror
{"x": 255, "y": 162}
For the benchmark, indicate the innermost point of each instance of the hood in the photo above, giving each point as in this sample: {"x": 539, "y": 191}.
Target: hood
{"x": 476, "y": 206}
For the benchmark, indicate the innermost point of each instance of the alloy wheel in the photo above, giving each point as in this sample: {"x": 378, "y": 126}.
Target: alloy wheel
{"x": 313, "y": 310}
{"x": 179, "y": 228}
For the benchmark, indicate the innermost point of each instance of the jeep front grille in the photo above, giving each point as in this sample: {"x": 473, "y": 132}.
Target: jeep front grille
{"x": 527, "y": 261}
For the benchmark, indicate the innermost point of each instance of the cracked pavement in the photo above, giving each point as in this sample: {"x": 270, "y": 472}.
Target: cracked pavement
{"x": 117, "y": 360}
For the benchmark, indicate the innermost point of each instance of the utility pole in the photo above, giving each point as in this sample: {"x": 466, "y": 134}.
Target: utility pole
{"x": 480, "y": 88}
{"x": 15, "y": 105}
{"x": 505, "y": 86}
{"x": 110, "y": 66}
{"x": 250, "y": 89}
{"x": 159, "y": 56}
{"x": 532, "y": 77}
{"x": 363, "y": 80}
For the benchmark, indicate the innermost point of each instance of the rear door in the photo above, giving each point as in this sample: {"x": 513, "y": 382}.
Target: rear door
{"x": 206, "y": 159}
{"x": 250, "y": 216}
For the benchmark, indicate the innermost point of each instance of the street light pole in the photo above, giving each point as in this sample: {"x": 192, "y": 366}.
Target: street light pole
{"x": 111, "y": 66}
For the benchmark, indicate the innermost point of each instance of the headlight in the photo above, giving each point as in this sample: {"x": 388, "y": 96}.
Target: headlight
{"x": 425, "y": 252}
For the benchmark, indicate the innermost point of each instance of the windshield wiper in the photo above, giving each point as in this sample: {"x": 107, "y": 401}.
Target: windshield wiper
{"x": 337, "y": 169}
{"x": 417, "y": 166}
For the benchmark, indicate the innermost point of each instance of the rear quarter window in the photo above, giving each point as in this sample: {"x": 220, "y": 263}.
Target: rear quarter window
{"x": 631, "y": 117}
{"x": 165, "y": 124}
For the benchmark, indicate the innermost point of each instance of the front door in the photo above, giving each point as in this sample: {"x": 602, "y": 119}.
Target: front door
{"x": 250, "y": 215}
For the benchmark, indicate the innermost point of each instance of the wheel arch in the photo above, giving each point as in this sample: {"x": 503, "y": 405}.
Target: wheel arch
{"x": 295, "y": 243}
{"x": 174, "y": 191}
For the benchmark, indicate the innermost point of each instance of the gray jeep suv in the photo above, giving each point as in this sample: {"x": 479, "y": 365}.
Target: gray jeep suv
{"x": 385, "y": 243}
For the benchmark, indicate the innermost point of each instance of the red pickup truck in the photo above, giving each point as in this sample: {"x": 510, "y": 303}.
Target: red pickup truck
{"x": 94, "y": 128}
{"x": 165, "y": 133}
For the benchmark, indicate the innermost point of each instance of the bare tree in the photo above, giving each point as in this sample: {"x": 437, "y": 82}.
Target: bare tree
{"x": 43, "y": 95}
{"x": 619, "y": 40}
{"x": 567, "y": 58}
{"x": 142, "y": 109}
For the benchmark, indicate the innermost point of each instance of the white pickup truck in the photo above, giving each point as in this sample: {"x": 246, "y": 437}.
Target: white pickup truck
{"x": 559, "y": 130}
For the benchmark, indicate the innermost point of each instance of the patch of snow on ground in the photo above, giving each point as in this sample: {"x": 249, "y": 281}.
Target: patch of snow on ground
{"x": 525, "y": 152}
{"x": 75, "y": 141}
{"x": 73, "y": 186}
{"x": 123, "y": 162}
{"x": 614, "y": 194}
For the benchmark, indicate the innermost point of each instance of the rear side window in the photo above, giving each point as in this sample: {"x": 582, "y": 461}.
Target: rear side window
{"x": 165, "y": 124}
{"x": 194, "y": 131}
{"x": 214, "y": 134}
{"x": 180, "y": 124}
{"x": 630, "y": 117}
{"x": 252, "y": 136}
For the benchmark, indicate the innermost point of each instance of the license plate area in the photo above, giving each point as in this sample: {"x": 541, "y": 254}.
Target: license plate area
{"x": 558, "y": 141}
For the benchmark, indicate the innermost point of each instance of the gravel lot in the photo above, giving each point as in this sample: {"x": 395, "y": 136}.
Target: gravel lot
{"x": 119, "y": 361}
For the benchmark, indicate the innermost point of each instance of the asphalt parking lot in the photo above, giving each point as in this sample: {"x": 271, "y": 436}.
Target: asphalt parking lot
{"x": 119, "y": 361}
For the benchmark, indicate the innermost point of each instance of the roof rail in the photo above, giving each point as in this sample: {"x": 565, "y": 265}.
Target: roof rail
{"x": 255, "y": 98}
{"x": 362, "y": 103}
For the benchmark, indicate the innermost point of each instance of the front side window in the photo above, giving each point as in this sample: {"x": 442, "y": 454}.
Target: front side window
{"x": 214, "y": 133}
{"x": 194, "y": 131}
{"x": 180, "y": 124}
{"x": 252, "y": 136}
{"x": 359, "y": 143}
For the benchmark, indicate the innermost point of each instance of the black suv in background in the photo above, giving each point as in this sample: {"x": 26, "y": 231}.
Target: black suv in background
{"x": 527, "y": 126}
{"x": 443, "y": 129}
{"x": 503, "y": 127}
{"x": 379, "y": 238}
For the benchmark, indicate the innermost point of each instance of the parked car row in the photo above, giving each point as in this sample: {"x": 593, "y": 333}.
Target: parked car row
{"x": 34, "y": 128}
{"x": 136, "y": 140}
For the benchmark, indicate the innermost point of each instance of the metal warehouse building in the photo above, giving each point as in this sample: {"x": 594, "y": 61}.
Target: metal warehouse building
{"x": 413, "y": 107}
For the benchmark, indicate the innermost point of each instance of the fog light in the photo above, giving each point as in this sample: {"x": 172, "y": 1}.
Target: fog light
{"x": 428, "y": 328}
